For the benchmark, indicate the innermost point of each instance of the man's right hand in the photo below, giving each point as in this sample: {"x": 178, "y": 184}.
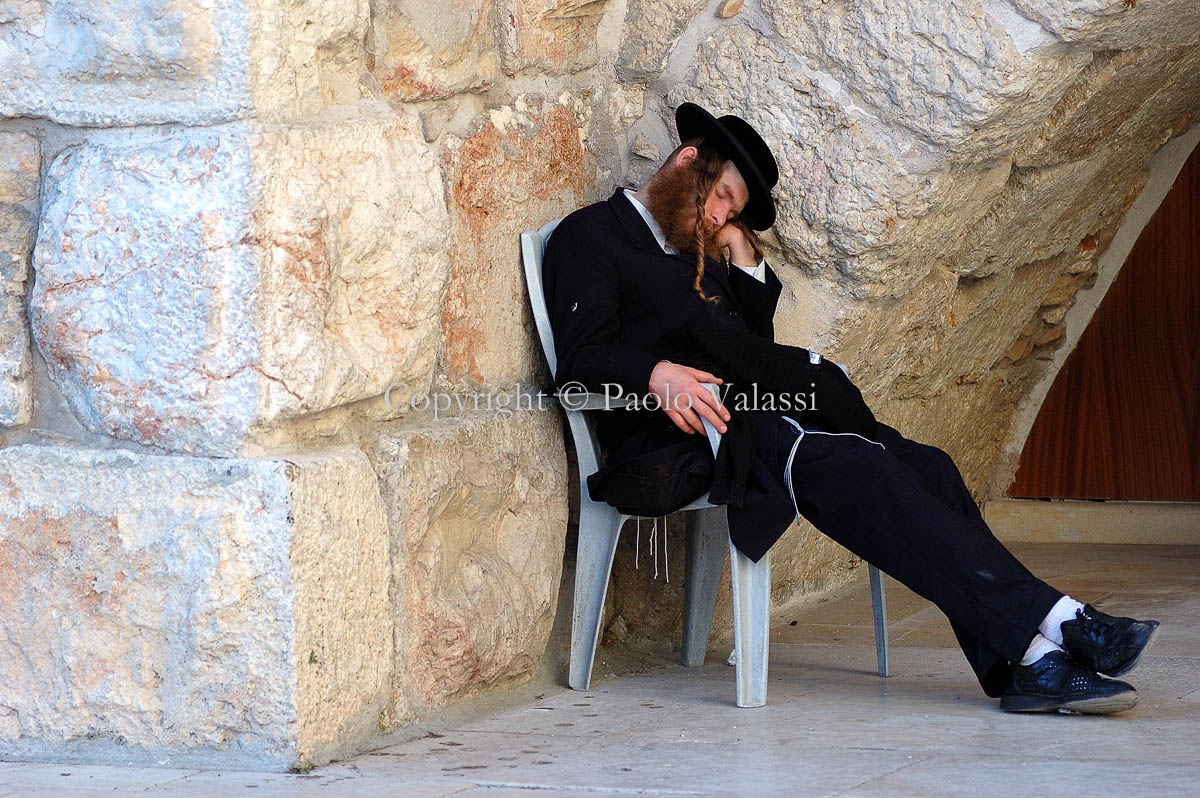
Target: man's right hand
{"x": 684, "y": 399}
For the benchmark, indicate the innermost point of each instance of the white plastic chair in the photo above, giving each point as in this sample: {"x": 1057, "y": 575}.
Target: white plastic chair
{"x": 707, "y": 536}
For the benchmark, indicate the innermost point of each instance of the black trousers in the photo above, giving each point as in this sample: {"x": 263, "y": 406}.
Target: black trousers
{"x": 903, "y": 508}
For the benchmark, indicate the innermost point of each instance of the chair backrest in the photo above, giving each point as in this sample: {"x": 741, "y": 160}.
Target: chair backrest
{"x": 533, "y": 247}
{"x": 583, "y": 429}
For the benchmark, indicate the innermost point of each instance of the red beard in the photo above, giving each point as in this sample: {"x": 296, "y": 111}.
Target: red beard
{"x": 672, "y": 202}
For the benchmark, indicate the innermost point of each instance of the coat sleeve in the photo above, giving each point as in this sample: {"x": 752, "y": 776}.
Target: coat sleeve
{"x": 583, "y": 293}
{"x": 759, "y": 299}
{"x": 782, "y": 369}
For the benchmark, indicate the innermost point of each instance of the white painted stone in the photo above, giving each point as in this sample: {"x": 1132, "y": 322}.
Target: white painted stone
{"x": 170, "y": 60}
{"x": 190, "y": 287}
{"x": 20, "y": 173}
{"x": 228, "y": 609}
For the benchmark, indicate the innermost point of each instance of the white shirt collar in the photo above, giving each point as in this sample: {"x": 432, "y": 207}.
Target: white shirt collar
{"x": 652, "y": 223}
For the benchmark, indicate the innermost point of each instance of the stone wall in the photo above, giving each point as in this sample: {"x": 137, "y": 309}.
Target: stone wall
{"x": 242, "y": 244}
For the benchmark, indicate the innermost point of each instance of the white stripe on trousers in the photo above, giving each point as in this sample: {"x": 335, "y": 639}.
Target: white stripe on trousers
{"x": 799, "y": 437}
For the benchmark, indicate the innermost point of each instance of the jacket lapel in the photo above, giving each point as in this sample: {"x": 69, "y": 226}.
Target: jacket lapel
{"x": 640, "y": 236}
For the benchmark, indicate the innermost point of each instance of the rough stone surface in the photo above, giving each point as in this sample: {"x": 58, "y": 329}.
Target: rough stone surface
{"x": 652, "y": 28}
{"x": 928, "y": 212}
{"x": 193, "y": 286}
{"x": 524, "y": 166}
{"x": 424, "y": 56}
{"x": 1115, "y": 24}
{"x": 158, "y": 605}
{"x": 168, "y": 60}
{"x": 548, "y": 36}
{"x": 20, "y": 174}
{"x": 477, "y": 507}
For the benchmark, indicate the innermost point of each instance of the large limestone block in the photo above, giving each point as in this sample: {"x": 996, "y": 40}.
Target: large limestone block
{"x": 193, "y": 286}
{"x": 523, "y": 166}
{"x": 548, "y": 36}
{"x": 478, "y": 512}
{"x": 429, "y": 56}
{"x": 1115, "y": 24}
{"x": 848, "y": 192}
{"x": 1113, "y": 89}
{"x": 169, "y": 60}
{"x": 949, "y": 73}
{"x": 652, "y": 28}
{"x": 209, "y": 610}
{"x": 20, "y": 174}
{"x": 941, "y": 168}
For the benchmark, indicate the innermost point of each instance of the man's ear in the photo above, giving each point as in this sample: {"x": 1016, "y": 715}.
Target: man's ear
{"x": 686, "y": 156}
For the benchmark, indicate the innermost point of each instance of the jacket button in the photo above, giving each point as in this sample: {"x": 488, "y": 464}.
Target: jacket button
{"x": 733, "y": 314}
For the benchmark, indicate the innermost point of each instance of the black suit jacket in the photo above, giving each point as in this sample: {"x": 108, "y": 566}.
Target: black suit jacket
{"x": 618, "y": 305}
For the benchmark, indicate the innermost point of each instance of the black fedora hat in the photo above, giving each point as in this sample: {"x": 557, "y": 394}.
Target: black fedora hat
{"x": 734, "y": 138}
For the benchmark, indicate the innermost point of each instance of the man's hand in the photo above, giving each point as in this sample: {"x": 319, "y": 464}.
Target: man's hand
{"x": 683, "y": 398}
{"x": 733, "y": 236}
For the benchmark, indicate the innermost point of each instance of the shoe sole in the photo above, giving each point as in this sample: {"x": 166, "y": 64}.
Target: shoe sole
{"x": 1101, "y": 705}
{"x": 1133, "y": 663}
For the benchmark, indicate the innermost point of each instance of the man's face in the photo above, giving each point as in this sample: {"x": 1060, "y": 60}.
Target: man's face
{"x": 673, "y": 202}
{"x": 728, "y": 198}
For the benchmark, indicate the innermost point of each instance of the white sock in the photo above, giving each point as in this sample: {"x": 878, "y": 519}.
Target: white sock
{"x": 1039, "y": 648}
{"x": 1063, "y": 610}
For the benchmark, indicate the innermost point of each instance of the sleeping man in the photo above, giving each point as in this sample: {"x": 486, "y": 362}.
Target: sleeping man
{"x": 643, "y": 302}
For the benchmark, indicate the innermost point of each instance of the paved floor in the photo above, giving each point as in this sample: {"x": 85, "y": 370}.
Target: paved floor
{"x": 831, "y": 726}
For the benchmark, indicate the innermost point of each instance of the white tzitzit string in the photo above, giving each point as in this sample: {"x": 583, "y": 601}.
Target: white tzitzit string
{"x": 637, "y": 546}
{"x": 666, "y": 559}
{"x": 654, "y": 545}
{"x": 637, "y": 543}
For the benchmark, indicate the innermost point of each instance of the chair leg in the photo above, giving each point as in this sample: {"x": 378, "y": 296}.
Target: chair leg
{"x": 599, "y": 528}
{"x": 751, "y": 624}
{"x": 707, "y": 532}
{"x": 879, "y": 605}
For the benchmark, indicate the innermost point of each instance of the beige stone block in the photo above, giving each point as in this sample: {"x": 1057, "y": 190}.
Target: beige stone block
{"x": 1115, "y": 24}
{"x": 20, "y": 175}
{"x": 728, "y": 8}
{"x": 478, "y": 512}
{"x": 652, "y": 28}
{"x": 195, "y": 287}
{"x": 175, "y": 61}
{"x": 217, "y": 610}
{"x": 1049, "y": 333}
{"x": 1064, "y": 289}
{"x": 426, "y": 56}
{"x": 1103, "y": 98}
{"x": 1040, "y": 213}
{"x": 523, "y": 166}
{"x": 553, "y": 37}
{"x": 1055, "y": 315}
{"x": 1021, "y": 349}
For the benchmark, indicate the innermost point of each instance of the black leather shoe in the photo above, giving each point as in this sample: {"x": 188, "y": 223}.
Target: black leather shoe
{"x": 1056, "y": 684}
{"x": 1105, "y": 644}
